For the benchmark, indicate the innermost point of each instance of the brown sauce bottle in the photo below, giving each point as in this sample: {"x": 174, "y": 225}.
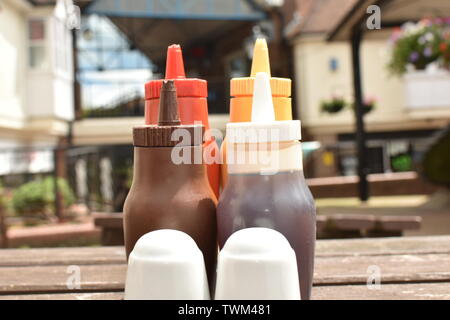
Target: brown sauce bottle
{"x": 270, "y": 194}
{"x": 166, "y": 195}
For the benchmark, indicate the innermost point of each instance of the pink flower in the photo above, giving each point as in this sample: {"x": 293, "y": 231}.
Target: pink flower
{"x": 438, "y": 20}
{"x": 369, "y": 100}
{"x": 396, "y": 34}
{"x": 425, "y": 22}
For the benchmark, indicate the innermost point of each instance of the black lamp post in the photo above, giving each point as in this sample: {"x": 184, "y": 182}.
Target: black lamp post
{"x": 360, "y": 133}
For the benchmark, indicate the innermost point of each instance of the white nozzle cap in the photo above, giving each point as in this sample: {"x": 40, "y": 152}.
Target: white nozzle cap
{"x": 263, "y": 127}
{"x": 262, "y": 107}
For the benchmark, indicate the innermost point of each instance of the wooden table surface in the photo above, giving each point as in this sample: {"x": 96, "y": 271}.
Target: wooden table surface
{"x": 411, "y": 268}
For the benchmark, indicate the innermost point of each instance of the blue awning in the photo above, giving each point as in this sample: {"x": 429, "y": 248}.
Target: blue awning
{"x": 178, "y": 9}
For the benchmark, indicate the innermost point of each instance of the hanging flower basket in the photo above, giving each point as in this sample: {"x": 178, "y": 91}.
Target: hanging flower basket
{"x": 369, "y": 104}
{"x": 367, "y": 108}
{"x": 427, "y": 89}
{"x": 421, "y": 54}
{"x": 334, "y": 105}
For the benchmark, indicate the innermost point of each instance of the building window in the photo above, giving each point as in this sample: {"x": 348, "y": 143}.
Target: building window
{"x": 36, "y": 37}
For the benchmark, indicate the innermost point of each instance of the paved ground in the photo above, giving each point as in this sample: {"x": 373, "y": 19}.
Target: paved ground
{"x": 434, "y": 221}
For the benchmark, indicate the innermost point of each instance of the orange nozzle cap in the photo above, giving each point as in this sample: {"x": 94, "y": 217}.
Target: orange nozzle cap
{"x": 260, "y": 62}
{"x": 186, "y": 87}
{"x": 174, "y": 63}
{"x": 281, "y": 87}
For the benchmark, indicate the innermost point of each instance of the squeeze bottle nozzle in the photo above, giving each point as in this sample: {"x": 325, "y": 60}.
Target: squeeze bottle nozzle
{"x": 263, "y": 119}
{"x": 168, "y": 106}
{"x": 260, "y": 62}
{"x": 241, "y": 88}
{"x": 262, "y": 107}
{"x": 174, "y": 63}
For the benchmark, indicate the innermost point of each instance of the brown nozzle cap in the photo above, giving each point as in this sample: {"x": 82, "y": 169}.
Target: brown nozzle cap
{"x": 169, "y": 121}
{"x": 168, "y": 105}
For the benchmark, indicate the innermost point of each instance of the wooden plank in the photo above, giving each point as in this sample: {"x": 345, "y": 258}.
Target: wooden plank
{"x": 328, "y": 270}
{"x": 393, "y": 223}
{"x": 114, "y": 255}
{"x": 351, "y": 221}
{"x": 62, "y": 256}
{"x": 53, "y": 235}
{"x": 410, "y": 291}
{"x": 46, "y": 279}
{"x": 324, "y": 248}
{"x": 393, "y": 268}
{"x": 108, "y": 220}
{"x": 66, "y": 296}
{"x": 383, "y": 246}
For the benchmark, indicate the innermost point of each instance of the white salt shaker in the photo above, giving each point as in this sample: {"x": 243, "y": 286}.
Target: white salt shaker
{"x": 166, "y": 265}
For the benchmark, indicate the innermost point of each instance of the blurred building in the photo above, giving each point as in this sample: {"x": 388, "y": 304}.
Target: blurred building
{"x": 397, "y": 132}
{"x": 36, "y": 85}
{"x": 122, "y": 44}
{"x": 73, "y": 73}
{"x": 216, "y": 37}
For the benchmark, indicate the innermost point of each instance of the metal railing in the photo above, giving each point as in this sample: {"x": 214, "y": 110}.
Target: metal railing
{"x": 130, "y": 105}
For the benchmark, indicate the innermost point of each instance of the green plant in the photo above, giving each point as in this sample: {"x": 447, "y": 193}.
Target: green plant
{"x": 419, "y": 44}
{"x": 37, "y": 197}
{"x": 402, "y": 162}
{"x": 6, "y": 199}
{"x": 334, "y": 105}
